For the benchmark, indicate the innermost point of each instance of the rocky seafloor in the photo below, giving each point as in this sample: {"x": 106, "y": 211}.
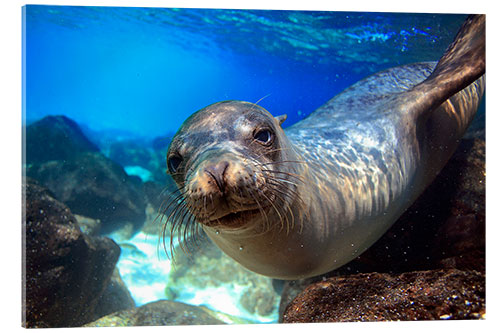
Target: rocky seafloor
{"x": 84, "y": 203}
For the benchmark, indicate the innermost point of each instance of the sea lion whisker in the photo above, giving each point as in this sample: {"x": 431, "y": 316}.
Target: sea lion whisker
{"x": 289, "y": 177}
{"x": 164, "y": 227}
{"x": 283, "y": 162}
{"x": 188, "y": 236}
{"x": 192, "y": 230}
{"x": 161, "y": 214}
{"x": 162, "y": 208}
{"x": 175, "y": 222}
{"x": 261, "y": 99}
{"x": 161, "y": 211}
{"x": 254, "y": 105}
{"x": 271, "y": 183}
{"x": 292, "y": 215}
{"x": 182, "y": 235}
{"x": 172, "y": 217}
{"x": 182, "y": 225}
{"x": 302, "y": 207}
{"x": 274, "y": 207}
{"x": 195, "y": 227}
{"x": 283, "y": 172}
{"x": 263, "y": 213}
{"x": 173, "y": 200}
{"x": 289, "y": 192}
{"x": 267, "y": 152}
{"x": 291, "y": 174}
{"x": 282, "y": 188}
{"x": 286, "y": 204}
{"x": 170, "y": 190}
{"x": 284, "y": 191}
{"x": 283, "y": 180}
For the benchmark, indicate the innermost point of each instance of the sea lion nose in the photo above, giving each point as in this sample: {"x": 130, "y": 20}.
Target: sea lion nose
{"x": 216, "y": 171}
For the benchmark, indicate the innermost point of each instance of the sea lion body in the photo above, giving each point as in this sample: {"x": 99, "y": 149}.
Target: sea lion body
{"x": 303, "y": 201}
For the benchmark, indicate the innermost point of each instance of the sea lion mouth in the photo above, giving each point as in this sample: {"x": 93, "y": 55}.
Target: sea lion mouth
{"x": 235, "y": 219}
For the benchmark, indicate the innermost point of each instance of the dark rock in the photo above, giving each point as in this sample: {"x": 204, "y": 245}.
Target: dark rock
{"x": 115, "y": 298}
{"x": 64, "y": 271}
{"x": 292, "y": 289}
{"x": 460, "y": 240}
{"x": 62, "y": 159}
{"x": 130, "y": 152}
{"x": 159, "y": 313}
{"x": 55, "y": 138}
{"x": 424, "y": 295}
{"x": 88, "y": 226}
{"x": 477, "y": 128}
{"x": 139, "y": 153}
{"x": 94, "y": 186}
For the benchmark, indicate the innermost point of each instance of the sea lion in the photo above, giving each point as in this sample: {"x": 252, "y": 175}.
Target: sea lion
{"x": 303, "y": 201}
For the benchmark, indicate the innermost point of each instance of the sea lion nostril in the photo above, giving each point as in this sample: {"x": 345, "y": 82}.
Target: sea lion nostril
{"x": 217, "y": 172}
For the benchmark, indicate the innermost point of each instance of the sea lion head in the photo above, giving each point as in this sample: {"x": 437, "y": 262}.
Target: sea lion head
{"x": 229, "y": 161}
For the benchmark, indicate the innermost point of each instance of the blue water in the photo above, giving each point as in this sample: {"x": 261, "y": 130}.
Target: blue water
{"x": 144, "y": 70}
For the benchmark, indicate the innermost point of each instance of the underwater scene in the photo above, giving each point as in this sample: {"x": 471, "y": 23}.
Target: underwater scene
{"x": 105, "y": 90}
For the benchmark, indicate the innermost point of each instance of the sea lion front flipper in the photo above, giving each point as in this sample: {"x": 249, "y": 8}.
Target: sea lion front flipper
{"x": 462, "y": 63}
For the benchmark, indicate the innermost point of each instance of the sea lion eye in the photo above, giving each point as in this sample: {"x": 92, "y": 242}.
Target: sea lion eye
{"x": 173, "y": 163}
{"x": 264, "y": 136}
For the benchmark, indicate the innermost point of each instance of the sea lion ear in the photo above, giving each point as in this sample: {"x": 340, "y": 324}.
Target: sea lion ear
{"x": 281, "y": 119}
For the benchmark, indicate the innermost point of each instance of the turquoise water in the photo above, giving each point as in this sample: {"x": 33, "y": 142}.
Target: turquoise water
{"x": 140, "y": 72}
